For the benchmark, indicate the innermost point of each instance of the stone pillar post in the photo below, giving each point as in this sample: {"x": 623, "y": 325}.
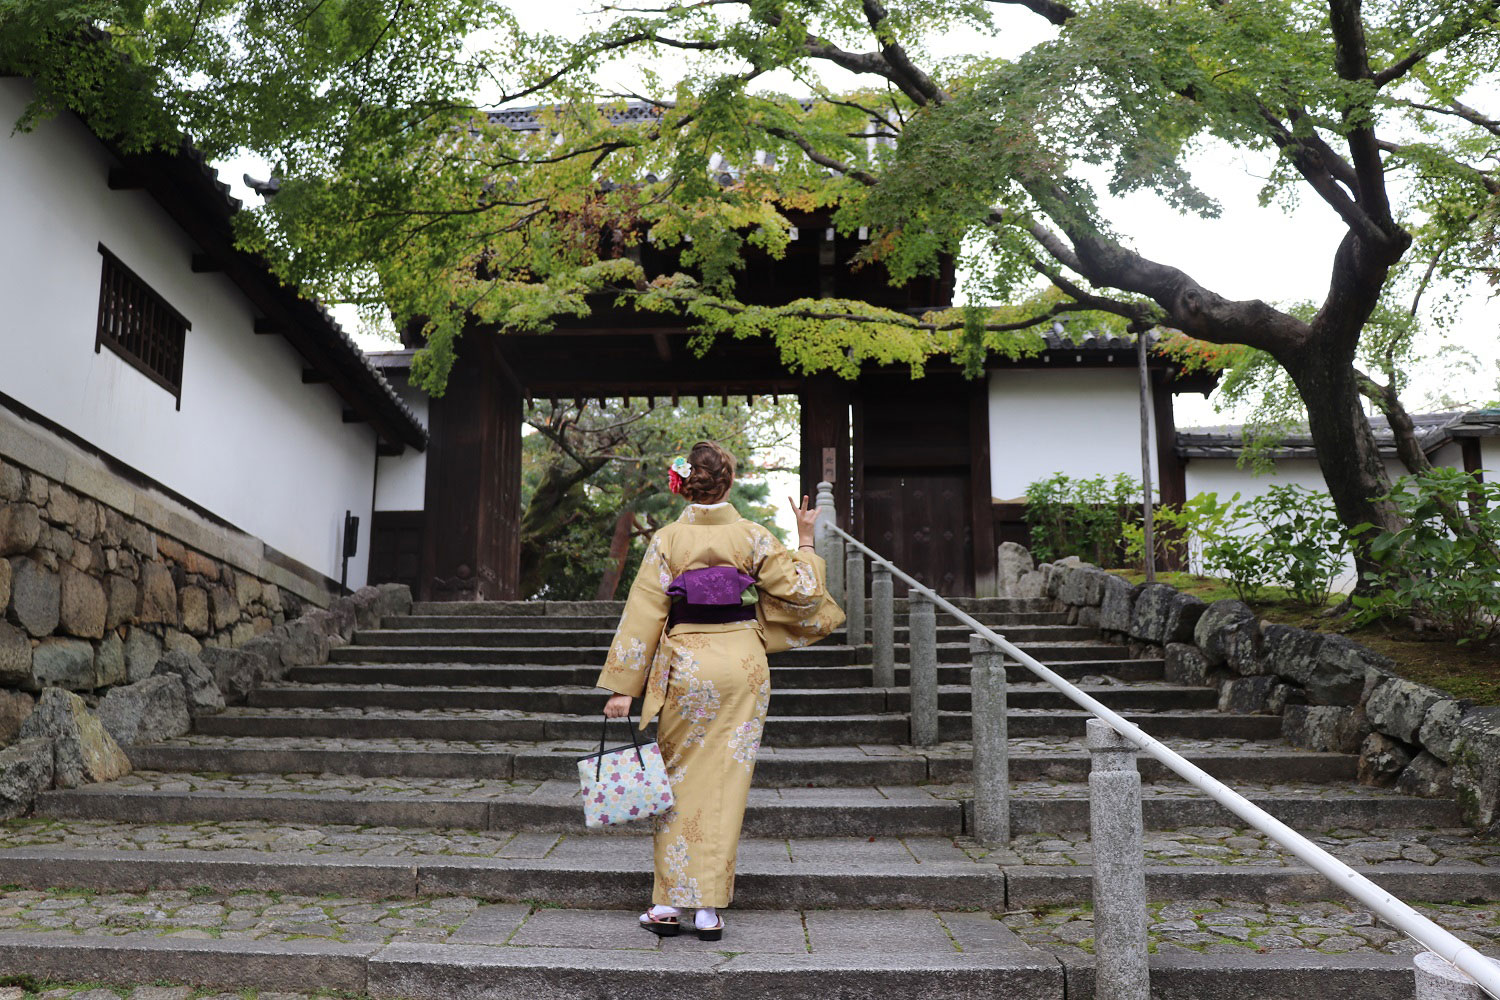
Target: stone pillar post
{"x": 1437, "y": 980}
{"x": 991, "y": 746}
{"x": 827, "y": 543}
{"x": 854, "y": 601}
{"x": 883, "y": 625}
{"x": 1115, "y": 827}
{"x": 923, "y": 683}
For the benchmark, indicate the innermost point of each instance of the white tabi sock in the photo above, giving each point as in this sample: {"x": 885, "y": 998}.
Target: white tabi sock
{"x": 707, "y": 917}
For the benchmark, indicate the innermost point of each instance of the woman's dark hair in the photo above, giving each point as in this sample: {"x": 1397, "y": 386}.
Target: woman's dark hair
{"x": 713, "y": 471}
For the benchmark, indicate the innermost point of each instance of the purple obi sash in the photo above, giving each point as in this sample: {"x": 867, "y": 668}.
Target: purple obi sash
{"x": 710, "y": 596}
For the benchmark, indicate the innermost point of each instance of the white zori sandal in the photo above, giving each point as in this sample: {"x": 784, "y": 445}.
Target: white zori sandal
{"x": 708, "y": 924}
{"x": 662, "y": 921}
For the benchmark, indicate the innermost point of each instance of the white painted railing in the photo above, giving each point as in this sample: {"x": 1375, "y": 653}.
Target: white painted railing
{"x": 1484, "y": 972}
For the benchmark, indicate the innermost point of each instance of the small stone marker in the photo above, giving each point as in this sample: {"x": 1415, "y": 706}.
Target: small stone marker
{"x": 1115, "y": 827}
{"x": 923, "y": 684}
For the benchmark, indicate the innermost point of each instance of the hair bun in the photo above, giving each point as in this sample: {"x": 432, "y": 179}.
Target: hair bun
{"x": 712, "y": 475}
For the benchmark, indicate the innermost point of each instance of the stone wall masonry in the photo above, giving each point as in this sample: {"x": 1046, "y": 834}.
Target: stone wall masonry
{"x": 1332, "y": 693}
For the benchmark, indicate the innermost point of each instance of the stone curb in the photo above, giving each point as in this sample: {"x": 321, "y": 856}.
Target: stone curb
{"x": 1276, "y": 976}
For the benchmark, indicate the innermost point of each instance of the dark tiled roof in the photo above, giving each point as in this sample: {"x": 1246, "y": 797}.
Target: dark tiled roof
{"x": 1433, "y": 431}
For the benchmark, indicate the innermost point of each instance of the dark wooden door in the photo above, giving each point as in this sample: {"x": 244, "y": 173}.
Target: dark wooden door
{"x": 922, "y": 522}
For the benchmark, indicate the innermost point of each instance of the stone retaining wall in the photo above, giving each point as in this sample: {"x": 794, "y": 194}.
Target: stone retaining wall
{"x": 1332, "y": 693}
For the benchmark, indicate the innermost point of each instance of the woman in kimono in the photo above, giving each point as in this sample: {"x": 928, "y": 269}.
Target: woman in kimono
{"x": 714, "y": 595}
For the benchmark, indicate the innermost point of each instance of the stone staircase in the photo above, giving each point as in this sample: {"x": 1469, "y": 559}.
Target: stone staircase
{"x": 402, "y": 822}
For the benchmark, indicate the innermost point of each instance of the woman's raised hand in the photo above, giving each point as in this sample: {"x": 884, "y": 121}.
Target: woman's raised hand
{"x": 806, "y": 518}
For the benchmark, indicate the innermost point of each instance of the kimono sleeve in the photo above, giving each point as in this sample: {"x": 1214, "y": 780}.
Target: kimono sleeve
{"x": 795, "y": 606}
{"x": 640, "y": 629}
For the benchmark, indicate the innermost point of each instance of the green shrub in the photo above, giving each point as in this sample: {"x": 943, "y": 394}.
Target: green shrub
{"x": 1081, "y": 517}
{"x": 1181, "y": 534}
{"x": 1445, "y": 564}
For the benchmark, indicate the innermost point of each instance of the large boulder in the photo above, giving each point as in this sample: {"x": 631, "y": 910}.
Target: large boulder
{"x": 1162, "y": 614}
{"x": 304, "y": 644}
{"x": 1426, "y": 777}
{"x": 1229, "y": 634}
{"x": 1031, "y": 584}
{"x": 343, "y": 613}
{"x": 67, "y": 663}
{"x": 15, "y": 656}
{"x": 1186, "y": 665}
{"x": 1381, "y": 760}
{"x": 198, "y": 684}
{"x": 25, "y": 772}
{"x": 1246, "y": 695}
{"x": 82, "y": 605}
{"x": 1330, "y": 668}
{"x": 35, "y": 596}
{"x": 1117, "y": 604}
{"x": 395, "y": 599}
{"x": 82, "y": 749}
{"x": 1013, "y": 562}
{"x": 268, "y": 648}
{"x": 15, "y": 708}
{"x": 1325, "y": 728}
{"x": 1082, "y": 587}
{"x": 1440, "y": 728}
{"x": 235, "y": 671}
{"x": 146, "y": 711}
{"x": 1397, "y": 707}
{"x": 1476, "y": 767}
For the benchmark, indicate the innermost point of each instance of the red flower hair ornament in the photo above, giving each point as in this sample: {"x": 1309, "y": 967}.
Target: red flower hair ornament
{"x": 677, "y": 474}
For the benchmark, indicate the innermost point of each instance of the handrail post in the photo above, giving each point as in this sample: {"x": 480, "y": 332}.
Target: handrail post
{"x": 827, "y": 543}
{"x": 1437, "y": 979}
{"x": 883, "y": 632}
{"x": 991, "y": 743}
{"x": 1115, "y": 827}
{"x": 923, "y": 683}
{"x": 854, "y": 603}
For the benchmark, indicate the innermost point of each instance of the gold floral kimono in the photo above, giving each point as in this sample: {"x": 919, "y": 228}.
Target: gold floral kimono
{"x": 711, "y": 686}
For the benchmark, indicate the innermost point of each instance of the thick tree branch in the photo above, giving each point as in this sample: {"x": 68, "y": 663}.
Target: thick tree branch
{"x": 1351, "y": 60}
{"x": 1057, "y": 13}
{"x": 914, "y": 83}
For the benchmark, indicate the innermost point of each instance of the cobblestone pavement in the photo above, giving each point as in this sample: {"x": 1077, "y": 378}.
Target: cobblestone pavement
{"x": 328, "y": 783}
{"x": 1216, "y": 926}
{"x": 93, "y": 992}
{"x": 1204, "y": 925}
{"x": 1195, "y": 846}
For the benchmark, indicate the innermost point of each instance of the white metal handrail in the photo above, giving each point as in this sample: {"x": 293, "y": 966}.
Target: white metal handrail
{"x": 1484, "y": 971}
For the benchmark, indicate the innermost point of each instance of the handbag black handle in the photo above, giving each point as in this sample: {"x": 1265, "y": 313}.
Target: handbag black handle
{"x": 604, "y": 734}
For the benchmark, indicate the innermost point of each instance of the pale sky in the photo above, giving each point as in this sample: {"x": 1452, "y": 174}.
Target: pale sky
{"x": 1249, "y": 251}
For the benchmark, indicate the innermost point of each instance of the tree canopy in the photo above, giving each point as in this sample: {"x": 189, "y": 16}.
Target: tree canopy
{"x": 399, "y": 192}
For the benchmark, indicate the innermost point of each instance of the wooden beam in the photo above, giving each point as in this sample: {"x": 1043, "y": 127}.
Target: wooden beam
{"x": 351, "y": 417}
{"x": 312, "y": 376}
{"x": 266, "y": 326}
{"x": 389, "y": 449}
{"x": 202, "y": 263}
{"x": 125, "y": 179}
{"x": 663, "y": 346}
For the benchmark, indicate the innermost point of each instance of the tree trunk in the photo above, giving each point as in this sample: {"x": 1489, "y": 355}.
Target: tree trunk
{"x": 619, "y": 549}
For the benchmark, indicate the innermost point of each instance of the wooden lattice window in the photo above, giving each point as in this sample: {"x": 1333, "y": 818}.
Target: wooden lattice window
{"x": 138, "y": 325}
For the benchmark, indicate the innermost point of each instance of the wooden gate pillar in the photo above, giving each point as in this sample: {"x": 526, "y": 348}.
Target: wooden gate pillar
{"x": 825, "y": 439}
{"x": 471, "y": 543}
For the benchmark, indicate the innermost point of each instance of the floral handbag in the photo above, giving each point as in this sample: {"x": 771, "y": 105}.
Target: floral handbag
{"x": 623, "y": 784}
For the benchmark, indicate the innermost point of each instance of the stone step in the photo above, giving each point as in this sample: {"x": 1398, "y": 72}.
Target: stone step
{"x": 512, "y": 638}
{"x": 551, "y": 806}
{"x": 1155, "y": 696}
{"x": 1005, "y": 619}
{"x": 554, "y": 675}
{"x": 580, "y": 873}
{"x": 814, "y": 656}
{"x": 775, "y": 768}
{"x": 785, "y": 731}
{"x": 969, "y": 605}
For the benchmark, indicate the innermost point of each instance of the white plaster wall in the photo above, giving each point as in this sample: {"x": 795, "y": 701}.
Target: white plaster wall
{"x": 1489, "y": 457}
{"x": 1081, "y": 422}
{"x": 401, "y": 480}
{"x": 251, "y": 443}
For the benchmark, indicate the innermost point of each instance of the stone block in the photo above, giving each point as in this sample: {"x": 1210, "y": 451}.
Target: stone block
{"x": 175, "y": 640}
{"x": 35, "y": 596}
{"x": 62, "y": 505}
{"x": 223, "y": 607}
{"x": 270, "y": 597}
{"x": 119, "y": 600}
{"x": 147, "y": 711}
{"x": 1282, "y": 695}
{"x": 1186, "y": 664}
{"x": 192, "y": 604}
{"x": 241, "y": 633}
{"x": 5, "y": 572}
{"x": 82, "y": 604}
{"x": 247, "y": 589}
{"x": 15, "y": 709}
{"x": 86, "y": 524}
{"x": 305, "y": 643}
{"x": 342, "y": 611}
{"x": 1326, "y": 728}
{"x": 1117, "y": 604}
{"x": 1013, "y": 562}
{"x": 201, "y": 565}
{"x": 15, "y": 657}
{"x": 1330, "y": 668}
{"x": 56, "y": 541}
{"x": 1183, "y": 613}
{"x": 269, "y": 650}
{"x": 1381, "y": 760}
{"x": 82, "y": 749}
{"x": 109, "y": 661}
{"x": 235, "y": 671}
{"x": 199, "y": 687}
{"x": 20, "y": 528}
{"x": 171, "y": 549}
{"x": 65, "y": 663}
{"x": 1148, "y": 618}
{"x": 157, "y": 601}
{"x": 142, "y": 650}
{"x": 1227, "y": 627}
{"x": 395, "y": 598}
{"x": 1088, "y": 617}
{"x": 1397, "y": 707}
{"x": 1245, "y": 695}
{"x": 1030, "y": 585}
{"x": 12, "y": 483}
{"x": 1426, "y": 777}
{"x": 25, "y": 772}
{"x": 1476, "y": 767}
{"x": 1439, "y": 732}
{"x": 38, "y": 489}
